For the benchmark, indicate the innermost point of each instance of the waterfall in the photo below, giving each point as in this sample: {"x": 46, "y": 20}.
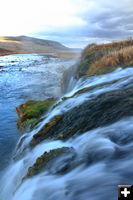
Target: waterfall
{"x": 99, "y": 159}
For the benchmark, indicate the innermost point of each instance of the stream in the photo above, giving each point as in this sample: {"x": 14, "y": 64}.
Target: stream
{"x": 103, "y": 155}
{"x": 24, "y": 77}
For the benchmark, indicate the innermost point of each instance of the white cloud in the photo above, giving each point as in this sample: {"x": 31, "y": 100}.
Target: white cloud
{"x": 99, "y": 20}
{"x": 28, "y": 16}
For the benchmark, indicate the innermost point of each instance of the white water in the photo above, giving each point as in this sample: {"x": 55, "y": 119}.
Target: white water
{"x": 25, "y": 77}
{"x": 104, "y": 155}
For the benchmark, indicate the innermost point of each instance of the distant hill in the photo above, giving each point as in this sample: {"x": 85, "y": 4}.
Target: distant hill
{"x": 24, "y": 44}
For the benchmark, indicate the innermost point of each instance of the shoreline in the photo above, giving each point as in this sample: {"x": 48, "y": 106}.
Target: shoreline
{"x": 61, "y": 55}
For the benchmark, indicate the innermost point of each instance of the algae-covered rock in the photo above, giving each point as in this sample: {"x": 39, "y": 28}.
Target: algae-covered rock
{"x": 88, "y": 89}
{"x": 44, "y": 132}
{"x": 31, "y": 110}
{"x": 99, "y": 111}
{"x": 59, "y": 158}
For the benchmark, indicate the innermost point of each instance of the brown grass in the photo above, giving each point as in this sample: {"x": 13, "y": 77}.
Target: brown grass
{"x": 113, "y": 60}
{"x": 107, "y": 47}
{"x": 99, "y": 59}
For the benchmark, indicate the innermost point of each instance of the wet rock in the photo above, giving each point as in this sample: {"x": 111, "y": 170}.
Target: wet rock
{"x": 103, "y": 110}
{"x": 44, "y": 132}
{"x": 30, "y": 111}
{"x": 54, "y": 161}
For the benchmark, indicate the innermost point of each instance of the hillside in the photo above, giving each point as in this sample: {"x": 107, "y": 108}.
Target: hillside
{"x": 104, "y": 58}
{"x": 24, "y": 44}
{"x": 5, "y": 52}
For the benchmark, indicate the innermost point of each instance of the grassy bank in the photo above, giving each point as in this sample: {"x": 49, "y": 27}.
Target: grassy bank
{"x": 104, "y": 58}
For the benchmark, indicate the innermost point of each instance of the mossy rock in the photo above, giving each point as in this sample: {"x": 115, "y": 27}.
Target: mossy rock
{"x": 44, "y": 132}
{"x": 30, "y": 112}
{"x": 47, "y": 160}
{"x": 87, "y": 89}
{"x": 102, "y": 110}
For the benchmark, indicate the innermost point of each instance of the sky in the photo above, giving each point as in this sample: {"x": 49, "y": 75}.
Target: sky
{"x": 74, "y": 23}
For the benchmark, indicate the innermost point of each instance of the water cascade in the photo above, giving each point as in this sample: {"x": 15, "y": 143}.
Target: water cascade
{"x": 90, "y": 161}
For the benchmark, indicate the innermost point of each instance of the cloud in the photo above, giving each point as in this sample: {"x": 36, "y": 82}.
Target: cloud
{"x": 110, "y": 20}
{"x": 68, "y": 21}
{"x": 104, "y": 21}
{"x": 28, "y": 16}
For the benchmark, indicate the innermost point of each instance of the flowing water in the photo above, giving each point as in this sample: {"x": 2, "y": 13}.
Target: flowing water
{"x": 24, "y": 77}
{"x": 104, "y": 154}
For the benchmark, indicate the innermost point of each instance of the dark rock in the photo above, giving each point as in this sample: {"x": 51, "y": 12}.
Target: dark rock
{"x": 103, "y": 110}
{"x": 55, "y": 161}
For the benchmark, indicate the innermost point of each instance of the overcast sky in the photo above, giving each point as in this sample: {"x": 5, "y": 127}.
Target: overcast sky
{"x": 74, "y": 23}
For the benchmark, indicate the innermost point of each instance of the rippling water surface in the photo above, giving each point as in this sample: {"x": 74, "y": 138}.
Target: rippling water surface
{"x": 103, "y": 155}
{"x": 24, "y": 77}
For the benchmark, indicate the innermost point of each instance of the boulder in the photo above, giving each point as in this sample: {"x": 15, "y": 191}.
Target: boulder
{"x": 29, "y": 113}
{"x": 103, "y": 110}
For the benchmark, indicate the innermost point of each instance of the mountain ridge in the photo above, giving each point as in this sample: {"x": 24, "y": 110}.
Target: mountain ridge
{"x": 24, "y": 44}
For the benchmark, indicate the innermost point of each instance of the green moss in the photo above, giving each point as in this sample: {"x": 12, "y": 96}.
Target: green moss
{"x": 30, "y": 122}
{"x": 106, "y": 70}
{"x": 102, "y": 71}
{"x": 43, "y": 133}
{"x": 84, "y": 90}
{"x": 61, "y": 137}
{"x": 30, "y": 111}
{"x": 43, "y": 160}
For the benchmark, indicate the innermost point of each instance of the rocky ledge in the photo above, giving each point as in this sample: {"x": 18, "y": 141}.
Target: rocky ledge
{"x": 29, "y": 113}
{"x": 99, "y": 111}
{"x": 55, "y": 157}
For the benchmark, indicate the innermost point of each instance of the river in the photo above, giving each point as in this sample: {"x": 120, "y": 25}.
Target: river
{"x": 103, "y": 154}
{"x": 24, "y": 77}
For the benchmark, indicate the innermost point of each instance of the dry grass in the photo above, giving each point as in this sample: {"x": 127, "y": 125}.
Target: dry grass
{"x": 107, "y": 47}
{"x": 99, "y": 59}
{"x": 113, "y": 60}
{"x": 68, "y": 54}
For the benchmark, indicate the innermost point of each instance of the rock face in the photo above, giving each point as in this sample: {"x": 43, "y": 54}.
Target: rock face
{"x": 60, "y": 158}
{"x": 44, "y": 132}
{"x": 102, "y": 110}
{"x": 30, "y": 111}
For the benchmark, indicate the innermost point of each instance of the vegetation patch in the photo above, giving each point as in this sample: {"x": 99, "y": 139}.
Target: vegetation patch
{"x": 102, "y": 110}
{"x": 46, "y": 161}
{"x": 87, "y": 89}
{"x": 30, "y": 112}
{"x": 44, "y": 132}
{"x": 104, "y": 58}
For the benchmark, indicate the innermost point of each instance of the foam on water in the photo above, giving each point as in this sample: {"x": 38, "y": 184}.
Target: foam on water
{"x": 104, "y": 155}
